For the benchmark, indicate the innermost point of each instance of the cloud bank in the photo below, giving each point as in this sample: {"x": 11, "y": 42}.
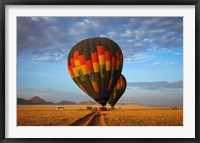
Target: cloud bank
{"x": 49, "y": 39}
{"x": 156, "y": 85}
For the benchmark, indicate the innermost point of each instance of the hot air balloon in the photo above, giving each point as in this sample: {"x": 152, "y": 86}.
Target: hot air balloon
{"x": 95, "y": 65}
{"x": 119, "y": 89}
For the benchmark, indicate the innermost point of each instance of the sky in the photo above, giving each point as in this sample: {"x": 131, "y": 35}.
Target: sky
{"x": 152, "y": 49}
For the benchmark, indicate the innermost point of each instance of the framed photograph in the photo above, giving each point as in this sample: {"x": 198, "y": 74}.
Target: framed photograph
{"x": 103, "y": 71}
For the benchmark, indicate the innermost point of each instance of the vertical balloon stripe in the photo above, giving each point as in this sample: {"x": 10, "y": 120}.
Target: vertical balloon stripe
{"x": 117, "y": 55}
{"x": 110, "y": 83}
{"x": 89, "y": 65}
{"x": 118, "y": 60}
{"x": 82, "y": 59}
{"x": 120, "y": 56}
{"x": 108, "y": 65}
{"x": 107, "y": 56}
{"x": 76, "y": 54}
{"x": 112, "y": 50}
{"x": 87, "y": 53}
{"x": 121, "y": 62}
{"x": 95, "y": 86}
{"x": 95, "y": 64}
{"x": 96, "y": 67}
{"x": 115, "y": 94}
{"x": 94, "y": 57}
{"x": 107, "y": 68}
{"x": 113, "y": 63}
{"x": 71, "y": 71}
{"x": 84, "y": 69}
{"x": 70, "y": 66}
{"x": 100, "y": 50}
{"x": 72, "y": 62}
{"x": 101, "y": 60}
{"x": 101, "y": 56}
{"x": 120, "y": 84}
{"x": 83, "y": 64}
{"x": 75, "y": 72}
{"x": 113, "y": 72}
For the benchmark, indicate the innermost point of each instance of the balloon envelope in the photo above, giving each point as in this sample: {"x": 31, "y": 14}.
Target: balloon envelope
{"x": 95, "y": 65}
{"x": 119, "y": 89}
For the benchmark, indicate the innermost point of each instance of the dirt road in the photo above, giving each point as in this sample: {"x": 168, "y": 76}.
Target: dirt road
{"x": 91, "y": 119}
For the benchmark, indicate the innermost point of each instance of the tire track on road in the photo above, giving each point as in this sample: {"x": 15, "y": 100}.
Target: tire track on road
{"x": 84, "y": 121}
{"x": 91, "y": 119}
{"x": 98, "y": 120}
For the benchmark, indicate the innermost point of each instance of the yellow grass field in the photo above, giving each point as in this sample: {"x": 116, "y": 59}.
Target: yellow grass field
{"x": 144, "y": 117}
{"x": 48, "y": 115}
{"x": 123, "y": 115}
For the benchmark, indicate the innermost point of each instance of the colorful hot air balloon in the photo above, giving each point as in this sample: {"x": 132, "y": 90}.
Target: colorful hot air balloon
{"x": 119, "y": 89}
{"x": 95, "y": 65}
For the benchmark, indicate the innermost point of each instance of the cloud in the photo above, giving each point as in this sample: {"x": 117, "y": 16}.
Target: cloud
{"x": 139, "y": 57}
{"x": 49, "y": 39}
{"x": 156, "y": 85}
{"x": 163, "y": 63}
{"x": 179, "y": 54}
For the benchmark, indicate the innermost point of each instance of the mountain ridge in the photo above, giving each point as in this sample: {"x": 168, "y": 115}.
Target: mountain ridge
{"x": 36, "y": 100}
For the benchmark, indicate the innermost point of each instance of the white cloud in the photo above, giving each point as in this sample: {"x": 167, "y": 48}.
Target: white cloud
{"x": 35, "y": 19}
{"x": 179, "y": 53}
{"x": 39, "y": 35}
{"x": 126, "y": 34}
{"x": 138, "y": 58}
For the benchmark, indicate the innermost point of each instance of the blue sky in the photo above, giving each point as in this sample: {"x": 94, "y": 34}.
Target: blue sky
{"x": 152, "y": 48}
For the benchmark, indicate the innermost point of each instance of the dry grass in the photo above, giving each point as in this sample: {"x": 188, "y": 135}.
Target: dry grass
{"x": 144, "y": 117}
{"x": 47, "y": 115}
{"x": 128, "y": 115}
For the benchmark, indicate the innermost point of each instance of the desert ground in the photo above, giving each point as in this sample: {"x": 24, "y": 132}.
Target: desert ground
{"x": 80, "y": 115}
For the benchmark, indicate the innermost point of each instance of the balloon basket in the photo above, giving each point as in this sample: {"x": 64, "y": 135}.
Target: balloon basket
{"x": 112, "y": 108}
{"x": 104, "y": 109}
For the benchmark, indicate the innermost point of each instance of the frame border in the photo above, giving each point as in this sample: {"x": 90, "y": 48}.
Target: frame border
{"x": 3, "y": 4}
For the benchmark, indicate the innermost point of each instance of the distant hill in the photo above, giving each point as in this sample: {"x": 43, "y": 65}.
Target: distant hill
{"x": 136, "y": 104}
{"x": 33, "y": 101}
{"x": 66, "y": 103}
{"x": 23, "y": 102}
{"x": 87, "y": 103}
{"x": 36, "y": 100}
